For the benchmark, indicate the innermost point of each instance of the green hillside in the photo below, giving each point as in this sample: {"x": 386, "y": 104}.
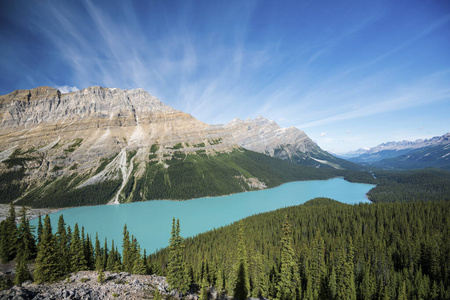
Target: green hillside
{"x": 199, "y": 175}
{"x": 366, "y": 251}
{"x": 180, "y": 177}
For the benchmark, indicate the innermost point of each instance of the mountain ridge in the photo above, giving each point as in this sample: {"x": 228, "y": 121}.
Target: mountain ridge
{"x": 422, "y": 153}
{"x": 109, "y": 139}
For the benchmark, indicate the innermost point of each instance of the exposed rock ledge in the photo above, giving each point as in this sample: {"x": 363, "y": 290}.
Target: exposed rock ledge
{"x": 84, "y": 285}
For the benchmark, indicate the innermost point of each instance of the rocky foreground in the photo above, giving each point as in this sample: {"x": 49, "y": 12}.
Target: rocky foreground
{"x": 84, "y": 285}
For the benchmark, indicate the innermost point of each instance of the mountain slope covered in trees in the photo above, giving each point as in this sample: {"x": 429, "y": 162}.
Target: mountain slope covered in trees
{"x": 366, "y": 251}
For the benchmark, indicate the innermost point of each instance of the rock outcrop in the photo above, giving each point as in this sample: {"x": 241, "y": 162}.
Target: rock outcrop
{"x": 84, "y": 285}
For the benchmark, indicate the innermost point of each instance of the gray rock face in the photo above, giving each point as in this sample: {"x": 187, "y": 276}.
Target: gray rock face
{"x": 50, "y": 135}
{"x": 265, "y": 136}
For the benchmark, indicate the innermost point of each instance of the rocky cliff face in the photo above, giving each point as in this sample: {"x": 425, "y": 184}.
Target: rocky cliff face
{"x": 106, "y": 134}
{"x": 265, "y": 136}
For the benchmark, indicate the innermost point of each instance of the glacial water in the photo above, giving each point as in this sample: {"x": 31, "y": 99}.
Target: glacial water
{"x": 150, "y": 222}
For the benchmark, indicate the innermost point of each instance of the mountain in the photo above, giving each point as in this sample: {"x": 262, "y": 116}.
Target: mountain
{"x": 107, "y": 145}
{"x": 434, "y": 152}
{"x": 290, "y": 144}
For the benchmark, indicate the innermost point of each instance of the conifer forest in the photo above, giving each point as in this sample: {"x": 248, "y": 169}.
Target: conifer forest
{"x": 322, "y": 249}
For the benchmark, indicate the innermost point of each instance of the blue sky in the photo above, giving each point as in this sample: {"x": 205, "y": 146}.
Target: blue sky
{"x": 350, "y": 74}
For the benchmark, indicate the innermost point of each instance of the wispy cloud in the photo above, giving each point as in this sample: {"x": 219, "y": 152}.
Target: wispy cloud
{"x": 431, "y": 89}
{"x": 67, "y": 89}
{"x": 295, "y": 63}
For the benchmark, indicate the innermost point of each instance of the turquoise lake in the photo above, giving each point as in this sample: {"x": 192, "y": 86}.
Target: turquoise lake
{"x": 150, "y": 222}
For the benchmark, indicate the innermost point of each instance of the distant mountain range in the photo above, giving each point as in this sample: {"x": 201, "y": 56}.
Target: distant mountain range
{"x": 434, "y": 152}
{"x": 107, "y": 145}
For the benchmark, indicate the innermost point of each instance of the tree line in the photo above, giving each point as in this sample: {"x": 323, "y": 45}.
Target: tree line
{"x": 329, "y": 250}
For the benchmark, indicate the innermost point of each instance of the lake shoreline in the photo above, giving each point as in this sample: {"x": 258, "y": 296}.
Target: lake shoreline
{"x": 150, "y": 221}
{"x": 33, "y": 213}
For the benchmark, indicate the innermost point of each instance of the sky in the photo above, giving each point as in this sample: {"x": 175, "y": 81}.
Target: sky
{"x": 350, "y": 74}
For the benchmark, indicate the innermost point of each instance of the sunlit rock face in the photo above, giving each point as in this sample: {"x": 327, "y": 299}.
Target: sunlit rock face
{"x": 51, "y": 134}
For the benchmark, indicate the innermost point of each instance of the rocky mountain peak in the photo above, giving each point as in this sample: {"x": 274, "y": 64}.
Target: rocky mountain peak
{"x": 39, "y": 93}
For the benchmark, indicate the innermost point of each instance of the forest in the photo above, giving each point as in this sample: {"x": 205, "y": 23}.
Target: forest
{"x": 322, "y": 249}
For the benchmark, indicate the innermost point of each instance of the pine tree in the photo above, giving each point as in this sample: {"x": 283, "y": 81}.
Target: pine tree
{"x": 242, "y": 284}
{"x": 367, "y": 284}
{"x": 62, "y": 244}
{"x": 220, "y": 281}
{"x": 47, "y": 264}
{"x": 26, "y": 242}
{"x": 204, "y": 287}
{"x": 40, "y": 229}
{"x": 346, "y": 279}
{"x": 98, "y": 254}
{"x": 172, "y": 267}
{"x": 3, "y": 243}
{"x": 77, "y": 255}
{"x": 402, "y": 292}
{"x": 127, "y": 261}
{"x": 288, "y": 285}
{"x": 8, "y": 242}
{"x": 101, "y": 276}
{"x": 258, "y": 279}
{"x": 332, "y": 284}
{"x": 89, "y": 253}
{"x": 22, "y": 272}
{"x": 317, "y": 268}
{"x": 111, "y": 258}
{"x": 118, "y": 267}
{"x": 176, "y": 269}
{"x": 139, "y": 265}
{"x": 105, "y": 254}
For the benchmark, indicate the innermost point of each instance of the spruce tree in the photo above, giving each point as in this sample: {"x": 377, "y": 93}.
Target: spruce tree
{"x": 289, "y": 284}
{"x": 47, "y": 264}
{"x": 111, "y": 259}
{"x": 77, "y": 255}
{"x": 332, "y": 284}
{"x": 258, "y": 277}
{"x": 89, "y": 253}
{"x": 62, "y": 244}
{"x": 105, "y": 255}
{"x": 127, "y": 260}
{"x": 8, "y": 241}
{"x": 22, "y": 272}
{"x": 101, "y": 276}
{"x": 172, "y": 267}
{"x": 204, "y": 287}
{"x": 176, "y": 269}
{"x": 118, "y": 267}
{"x": 26, "y": 242}
{"x": 98, "y": 254}
{"x": 3, "y": 243}
{"x": 139, "y": 266}
{"x": 346, "y": 278}
{"x": 402, "y": 292}
{"x": 40, "y": 229}
{"x": 367, "y": 284}
{"x": 242, "y": 285}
